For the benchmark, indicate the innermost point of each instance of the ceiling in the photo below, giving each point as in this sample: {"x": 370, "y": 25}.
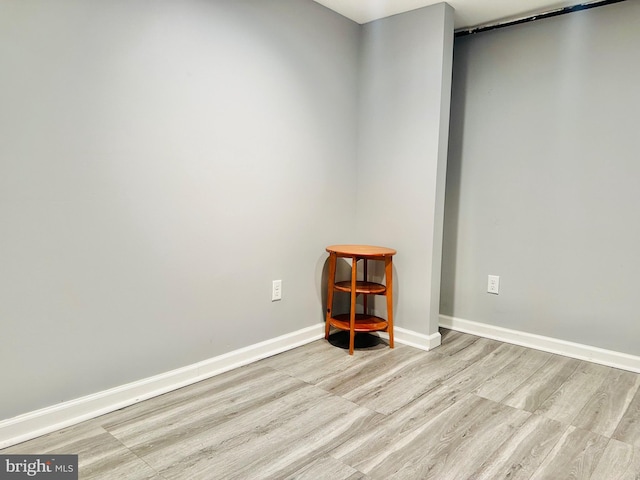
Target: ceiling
{"x": 469, "y": 13}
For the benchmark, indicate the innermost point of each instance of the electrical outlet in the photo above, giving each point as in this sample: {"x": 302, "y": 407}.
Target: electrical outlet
{"x": 276, "y": 290}
{"x": 493, "y": 285}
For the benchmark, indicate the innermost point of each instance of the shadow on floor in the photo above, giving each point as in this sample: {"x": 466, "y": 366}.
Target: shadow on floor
{"x": 362, "y": 341}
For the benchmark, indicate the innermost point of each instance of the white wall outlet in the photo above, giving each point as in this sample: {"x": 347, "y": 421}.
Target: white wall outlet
{"x": 276, "y": 290}
{"x": 493, "y": 285}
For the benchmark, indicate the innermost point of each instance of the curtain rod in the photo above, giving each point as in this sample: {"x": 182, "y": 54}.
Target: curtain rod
{"x": 539, "y": 16}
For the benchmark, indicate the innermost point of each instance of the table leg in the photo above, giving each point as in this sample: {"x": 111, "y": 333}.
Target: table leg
{"x": 388, "y": 271}
{"x": 365, "y": 296}
{"x": 332, "y": 278}
{"x": 352, "y": 314}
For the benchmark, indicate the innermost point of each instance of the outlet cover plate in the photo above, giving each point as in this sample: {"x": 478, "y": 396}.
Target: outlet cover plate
{"x": 493, "y": 284}
{"x": 276, "y": 290}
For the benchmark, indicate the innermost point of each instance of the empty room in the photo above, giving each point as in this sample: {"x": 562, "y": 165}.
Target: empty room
{"x": 323, "y": 239}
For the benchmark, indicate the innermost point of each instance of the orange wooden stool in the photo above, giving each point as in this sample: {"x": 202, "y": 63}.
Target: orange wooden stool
{"x": 361, "y": 322}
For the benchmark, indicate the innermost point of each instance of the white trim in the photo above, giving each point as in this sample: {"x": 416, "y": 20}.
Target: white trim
{"x": 598, "y": 355}
{"x": 414, "y": 339}
{"x": 40, "y": 422}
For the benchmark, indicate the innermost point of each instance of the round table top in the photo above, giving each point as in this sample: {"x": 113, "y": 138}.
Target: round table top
{"x": 361, "y": 250}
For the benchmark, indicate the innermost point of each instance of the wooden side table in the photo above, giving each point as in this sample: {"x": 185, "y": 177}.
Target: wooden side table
{"x": 361, "y": 322}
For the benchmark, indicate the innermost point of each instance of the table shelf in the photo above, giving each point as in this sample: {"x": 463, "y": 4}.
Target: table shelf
{"x": 364, "y": 322}
{"x": 368, "y": 288}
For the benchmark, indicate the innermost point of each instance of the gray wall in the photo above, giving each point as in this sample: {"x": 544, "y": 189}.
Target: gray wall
{"x": 402, "y": 155}
{"x": 161, "y": 163}
{"x": 542, "y": 186}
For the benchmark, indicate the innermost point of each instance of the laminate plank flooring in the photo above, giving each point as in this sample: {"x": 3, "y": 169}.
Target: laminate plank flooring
{"x": 515, "y": 373}
{"x": 620, "y": 461}
{"x": 628, "y": 430}
{"x": 447, "y": 445}
{"x": 473, "y": 408}
{"x": 327, "y": 468}
{"x": 98, "y": 453}
{"x": 542, "y": 384}
{"x": 389, "y": 393}
{"x": 568, "y": 400}
{"x": 604, "y": 410}
{"x": 576, "y": 455}
{"x": 521, "y": 455}
{"x": 402, "y": 427}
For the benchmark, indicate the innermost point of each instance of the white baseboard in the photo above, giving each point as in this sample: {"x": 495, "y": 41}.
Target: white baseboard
{"x": 598, "y": 355}
{"x": 414, "y": 339}
{"x": 40, "y": 422}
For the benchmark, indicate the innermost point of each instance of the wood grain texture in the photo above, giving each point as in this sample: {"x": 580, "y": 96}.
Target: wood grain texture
{"x": 603, "y": 412}
{"x": 326, "y": 468}
{"x": 575, "y": 456}
{"x": 321, "y": 361}
{"x": 100, "y": 455}
{"x": 453, "y": 342}
{"x": 361, "y": 251}
{"x": 500, "y": 385}
{"x": 620, "y": 461}
{"x": 246, "y": 384}
{"x": 448, "y": 445}
{"x": 271, "y": 439}
{"x": 485, "y": 367}
{"x": 389, "y": 393}
{"x": 628, "y": 429}
{"x": 162, "y": 428}
{"x": 406, "y": 422}
{"x": 542, "y": 384}
{"x": 316, "y": 412}
{"x": 568, "y": 400}
{"x": 521, "y": 455}
{"x": 358, "y": 476}
{"x": 364, "y": 376}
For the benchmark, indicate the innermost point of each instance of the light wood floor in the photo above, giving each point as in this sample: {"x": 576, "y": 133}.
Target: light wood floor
{"x": 472, "y": 409}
